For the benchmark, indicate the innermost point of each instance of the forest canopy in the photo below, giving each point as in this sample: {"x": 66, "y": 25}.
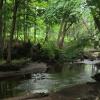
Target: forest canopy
{"x": 52, "y": 23}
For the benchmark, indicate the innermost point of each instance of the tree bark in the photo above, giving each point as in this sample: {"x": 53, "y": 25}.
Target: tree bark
{"x": 35, "y": 26}
{"x": 1, "y": 27}
{"x": 47, "y": 32}
{"x": 60, "y": 31}
{"x": 61, "y": 40}
{"x": 4, "y": 24}
{"x": 65, "y": 29}
{"x": 25, "y": 21}
{"x": 15, "y": 8}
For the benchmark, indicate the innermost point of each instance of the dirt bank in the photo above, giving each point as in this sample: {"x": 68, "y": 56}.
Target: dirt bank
{"x": 87, "y": 91}
{"x": 28, "y": 69}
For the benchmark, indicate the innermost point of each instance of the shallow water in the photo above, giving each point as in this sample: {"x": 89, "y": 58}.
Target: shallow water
{"x": 55, "y": 79}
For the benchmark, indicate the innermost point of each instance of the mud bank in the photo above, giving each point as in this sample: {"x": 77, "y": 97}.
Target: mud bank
{"x": 86, "y": 91}
{"x": 27, "y": 69}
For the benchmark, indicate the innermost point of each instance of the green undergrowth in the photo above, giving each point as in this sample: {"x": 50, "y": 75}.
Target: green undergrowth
{"x": 50, "y": 53}
{"x": 15, "y": 65}
{"x": 15, "y": 61}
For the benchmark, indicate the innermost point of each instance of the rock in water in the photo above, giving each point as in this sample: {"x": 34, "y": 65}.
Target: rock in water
{"x": 96, "y": 77}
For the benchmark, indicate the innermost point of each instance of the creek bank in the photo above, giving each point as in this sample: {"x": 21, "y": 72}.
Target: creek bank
{"x": 24, "y": 69}
{"x": 27, "y": 69}
{"x": 16, "y": 65}
{"x": 89, "y": 91}
{"x": 29, "y": 96}
{"x": 86, "y": 91}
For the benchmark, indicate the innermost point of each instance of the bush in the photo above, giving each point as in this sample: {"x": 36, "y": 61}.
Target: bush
{"x": 49, "y": 53}
{"x": 75, "y": 49}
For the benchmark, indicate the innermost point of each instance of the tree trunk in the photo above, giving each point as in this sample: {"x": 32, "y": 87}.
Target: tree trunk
{"x": 65, "y": 29}
{"x": 4, "y": 25}
{"x": 47, "y": 32}
{"x": 15, "y": 8}
{"x": 1, "y": 27}
{"x": 35, "y": 26}
{"x": 25, "y": 31}
{"x": 24, "y": 24}
{"x": 61, "y": 40}
{"x": 60, "y": 31}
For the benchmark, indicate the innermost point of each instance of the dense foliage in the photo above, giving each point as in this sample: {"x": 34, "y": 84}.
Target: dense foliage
{"x": 63, "y": 28}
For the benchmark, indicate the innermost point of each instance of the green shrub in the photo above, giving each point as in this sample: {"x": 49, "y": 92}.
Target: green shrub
{"x": 50, "y": 53}
{"x": 75, "y": 48}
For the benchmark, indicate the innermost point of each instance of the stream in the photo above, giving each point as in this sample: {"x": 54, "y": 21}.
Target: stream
{"x": 56, "y": 78}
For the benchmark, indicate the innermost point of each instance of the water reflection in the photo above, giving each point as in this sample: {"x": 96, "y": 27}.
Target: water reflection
{"x": 57, "y": 77}
{"x": 7, "y": 89}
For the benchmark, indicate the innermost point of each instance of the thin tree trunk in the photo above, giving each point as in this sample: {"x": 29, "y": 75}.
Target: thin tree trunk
{"x": 15, "y": 8}
{"x": 25, "y": 21}
{"x": 4, "y": 34}
{"x": 25, "y": 33}
{"x": 1, "y": 27}
{"x": 47, "y": 32}
{"x": 18, "y": 28}
{"x": 35, "y": 34}
{"x": 17, "y": 31}
{"x": 61, "y": 40}
{"x": 24, "y": 24}
{"x": 35, "y": 26}
{"x": 61, "y": 27}
{"x": 65, "y": 29}
{"x": 60, "y": 31}
{"x": 4, "y": 25}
